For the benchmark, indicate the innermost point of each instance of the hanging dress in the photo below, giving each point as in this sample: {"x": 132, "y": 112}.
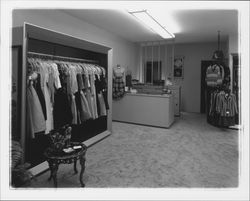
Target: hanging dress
{"x": 62, "y": 110}
{"x": 104, "y": 89}
{"x": 118, "y": 83}
{"x": 73, "y": 88}
{"x": 94, "y": 97}
{"x": 82, "y": 103}
{"x": 44, "y": 71}
{"x": 89, "y": 97}
{"x": 36, "y": 121}
{"x": 101, "y": 109}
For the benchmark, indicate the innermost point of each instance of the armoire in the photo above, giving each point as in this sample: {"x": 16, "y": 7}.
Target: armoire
{"x": 40, "y": 40}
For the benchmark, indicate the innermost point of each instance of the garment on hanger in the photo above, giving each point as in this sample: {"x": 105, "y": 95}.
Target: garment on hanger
{"x": 44, "y": 72}
{"x": 36, "y": 121}
{"x": 62, "y": 110}
{"x": 97, "y": 90}
{"x": 54, "y": 81}
{"x": 73, "y": 88}
{"x": 82, "y": 103}
{"x": 223, "y": 108}
{"x": 93, "y": 91}
{"x": 89, "y": 97}
{"x": 37, "y": 87}
{"x": 214, "y": 75}
{"x": 101, "y": 107}
{"x": 104, "y": 89}
{"x": 103, "y": 111}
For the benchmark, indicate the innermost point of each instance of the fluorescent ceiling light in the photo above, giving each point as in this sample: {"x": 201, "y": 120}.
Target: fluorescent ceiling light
{"x": 149, "y": 21}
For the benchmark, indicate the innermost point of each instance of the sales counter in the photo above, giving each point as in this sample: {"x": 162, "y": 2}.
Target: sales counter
{"x": 146, "y": 109}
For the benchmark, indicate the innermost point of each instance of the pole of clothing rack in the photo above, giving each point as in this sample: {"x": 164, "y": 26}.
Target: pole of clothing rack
{"x": 62, "y": 57}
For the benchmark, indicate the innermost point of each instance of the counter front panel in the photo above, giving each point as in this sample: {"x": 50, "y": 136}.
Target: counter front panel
{"x": 146, "y": 109}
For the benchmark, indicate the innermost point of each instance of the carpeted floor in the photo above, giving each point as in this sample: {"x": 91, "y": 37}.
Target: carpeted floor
{"x": 191, "y": 153}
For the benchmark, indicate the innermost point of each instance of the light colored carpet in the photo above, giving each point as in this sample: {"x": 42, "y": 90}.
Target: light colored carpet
{"x": 191, "y": 153}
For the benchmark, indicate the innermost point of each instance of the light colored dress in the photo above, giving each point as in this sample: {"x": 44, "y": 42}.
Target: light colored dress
{"x": 36, "y": 121}
{"x": 44, "y": 72}
{"x": 73, "y": 88}
{"x": 93, "y": 98}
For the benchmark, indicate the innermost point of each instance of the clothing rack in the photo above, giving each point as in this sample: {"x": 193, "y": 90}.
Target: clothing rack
{"x": 61, "y": 57}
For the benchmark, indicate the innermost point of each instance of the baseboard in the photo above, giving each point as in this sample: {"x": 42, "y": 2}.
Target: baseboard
{"x": 39, "y": 169}
{"x": 140, "y": 124}
{"x": 42, "y": 167}
{"x": 90, "y": 142}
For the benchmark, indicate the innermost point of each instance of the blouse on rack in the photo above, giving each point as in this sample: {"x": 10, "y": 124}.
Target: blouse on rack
{"x": 214, "y": 75}
{"x": 226, "y": 104}
{"x": 223, "y": 108}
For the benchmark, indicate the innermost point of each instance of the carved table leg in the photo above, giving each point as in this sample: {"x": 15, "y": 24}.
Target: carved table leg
{"x": 75, "y": 168}
{"x": 50, "y": 167}
{"x": 53, "y": 169}
{"x": 82, "y": 162}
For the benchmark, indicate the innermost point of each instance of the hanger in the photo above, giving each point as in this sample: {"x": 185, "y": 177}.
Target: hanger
{"x": 76, "y": 68}
{"x": 103, "y": 71}
{"x": 99, "y": 70}
{"x": 83, "y": 68}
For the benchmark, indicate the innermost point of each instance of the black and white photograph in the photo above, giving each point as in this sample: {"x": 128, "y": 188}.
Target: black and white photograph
{"x": 131, "y": 100}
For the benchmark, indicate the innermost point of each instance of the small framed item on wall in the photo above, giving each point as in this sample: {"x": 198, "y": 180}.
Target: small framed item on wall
{"x": 179, "y": 67}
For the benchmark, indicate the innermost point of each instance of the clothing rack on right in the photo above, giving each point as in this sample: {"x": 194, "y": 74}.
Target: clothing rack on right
{"x": 222, "y": 103}
{"x": 223, "y": 108}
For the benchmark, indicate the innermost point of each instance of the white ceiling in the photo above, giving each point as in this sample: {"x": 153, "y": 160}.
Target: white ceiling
{"x": 187, "y": 25}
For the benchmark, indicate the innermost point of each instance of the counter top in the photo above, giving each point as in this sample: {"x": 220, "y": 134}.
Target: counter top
{"x": 149, "y": 95}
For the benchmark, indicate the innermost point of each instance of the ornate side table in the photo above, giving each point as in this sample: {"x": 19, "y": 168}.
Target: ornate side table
{"x": 54, "y": 159}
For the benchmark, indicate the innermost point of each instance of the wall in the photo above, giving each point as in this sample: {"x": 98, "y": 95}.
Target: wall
{"x": 233, "y": 43}
{"x": 124, "y": 52}
{"x": 194, "y": 53}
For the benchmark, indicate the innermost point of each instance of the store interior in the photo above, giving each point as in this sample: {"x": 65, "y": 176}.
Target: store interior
{"x": 146, "y": 111}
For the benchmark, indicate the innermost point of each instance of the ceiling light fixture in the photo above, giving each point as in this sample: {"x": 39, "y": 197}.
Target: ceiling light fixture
{"x": 151, "y": 22}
